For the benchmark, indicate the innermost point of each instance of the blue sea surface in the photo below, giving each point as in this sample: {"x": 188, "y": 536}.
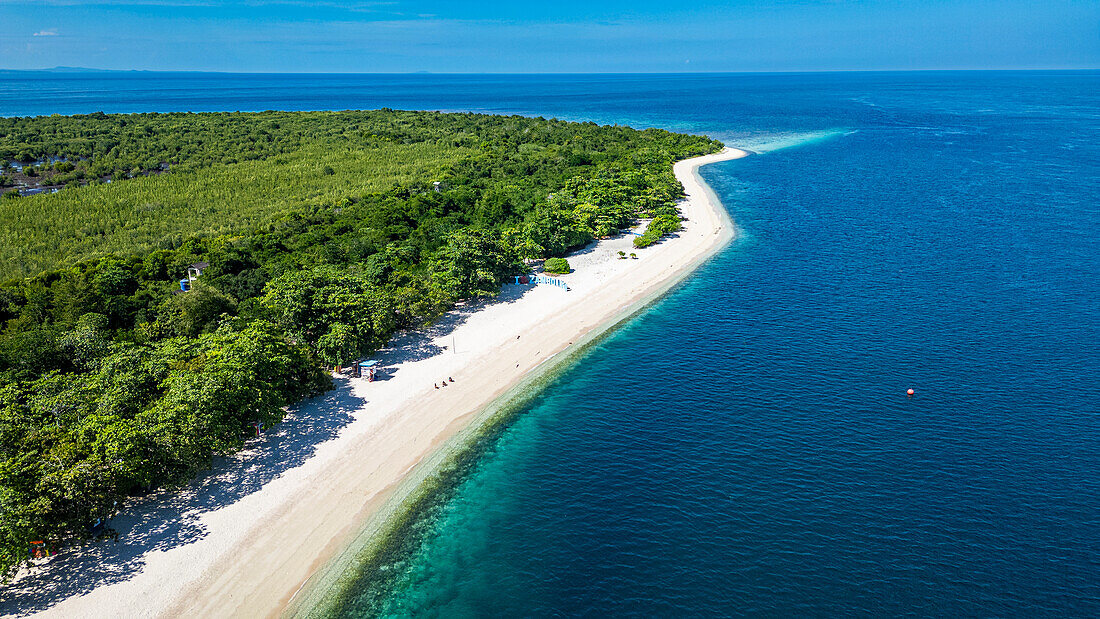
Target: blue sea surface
{"x": 746, "y": 446}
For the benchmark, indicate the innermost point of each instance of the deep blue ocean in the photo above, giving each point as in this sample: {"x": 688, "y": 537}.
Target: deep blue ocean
{"x": 745, "y": 446}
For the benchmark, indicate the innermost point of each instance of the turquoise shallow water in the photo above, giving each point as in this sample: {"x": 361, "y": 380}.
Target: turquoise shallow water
{"x": 746, "y": 446}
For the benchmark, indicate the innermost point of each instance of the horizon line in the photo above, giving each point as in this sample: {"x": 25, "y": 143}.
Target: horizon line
{"x": 77, "y": 70}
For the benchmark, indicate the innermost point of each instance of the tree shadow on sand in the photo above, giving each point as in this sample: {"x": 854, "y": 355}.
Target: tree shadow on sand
{"x": 168, "y": 519}
{"x": 421, "y": 344}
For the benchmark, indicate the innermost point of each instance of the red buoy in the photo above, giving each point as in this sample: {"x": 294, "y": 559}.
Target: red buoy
{"x": 910, "y": 392}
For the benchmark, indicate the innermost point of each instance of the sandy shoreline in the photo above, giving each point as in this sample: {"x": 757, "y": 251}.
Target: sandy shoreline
{"x": 244, "y": 539}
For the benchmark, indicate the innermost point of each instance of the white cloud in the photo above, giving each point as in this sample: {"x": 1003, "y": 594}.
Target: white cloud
{"x": 46, "y": 33}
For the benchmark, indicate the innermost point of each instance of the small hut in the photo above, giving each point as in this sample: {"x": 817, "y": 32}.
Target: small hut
{"x": 195, "y": 270}
{"x": 367, "y": 369}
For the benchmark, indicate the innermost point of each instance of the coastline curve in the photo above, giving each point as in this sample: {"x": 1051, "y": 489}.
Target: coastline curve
{"x": 273, "y": 549}
{"x": 384, "y": 535}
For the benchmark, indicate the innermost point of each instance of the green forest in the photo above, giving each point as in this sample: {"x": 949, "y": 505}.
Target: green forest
{"x": 324, "y": 234}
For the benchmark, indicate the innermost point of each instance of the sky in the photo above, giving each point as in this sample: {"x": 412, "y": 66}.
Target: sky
{"x": 566, "y": 36}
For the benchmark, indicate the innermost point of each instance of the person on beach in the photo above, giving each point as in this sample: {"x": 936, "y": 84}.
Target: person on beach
{"x": 451, "y": 379}
{"x": 444, "y": 383}
{"x": 436, "y": 385}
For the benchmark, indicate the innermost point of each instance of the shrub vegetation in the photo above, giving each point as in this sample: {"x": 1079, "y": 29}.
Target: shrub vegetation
{"x": 324, "y": 234}
{"x": 556, "y": 265}
{"x": 666, "y": 221}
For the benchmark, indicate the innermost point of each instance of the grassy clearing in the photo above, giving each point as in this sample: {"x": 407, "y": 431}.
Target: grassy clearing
{"x": 160, "y": 211}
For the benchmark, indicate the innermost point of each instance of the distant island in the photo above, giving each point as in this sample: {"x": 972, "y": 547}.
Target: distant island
{"x": 63, "y": 69}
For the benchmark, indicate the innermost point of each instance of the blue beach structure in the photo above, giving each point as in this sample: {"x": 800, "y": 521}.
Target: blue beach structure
{"x": 541, "y": 279}
{"x": 367, "y": 368}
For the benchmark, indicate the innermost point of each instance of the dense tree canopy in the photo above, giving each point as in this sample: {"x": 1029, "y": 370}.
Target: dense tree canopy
{"x": 324, "y": 233}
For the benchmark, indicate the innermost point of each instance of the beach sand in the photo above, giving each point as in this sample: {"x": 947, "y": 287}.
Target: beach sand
{"x": 245, "y": 538}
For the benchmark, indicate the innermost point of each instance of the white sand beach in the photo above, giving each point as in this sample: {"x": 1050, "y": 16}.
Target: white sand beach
{"x": 243, "y": 539}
